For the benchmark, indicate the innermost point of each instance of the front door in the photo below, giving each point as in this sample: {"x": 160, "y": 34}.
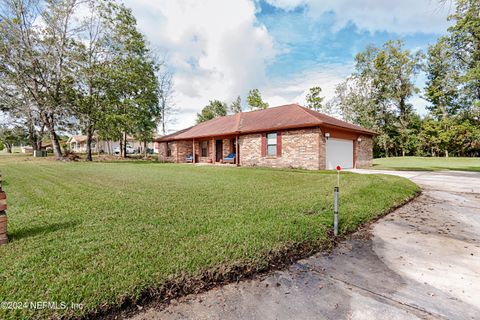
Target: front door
{"x": 218, "y": 150}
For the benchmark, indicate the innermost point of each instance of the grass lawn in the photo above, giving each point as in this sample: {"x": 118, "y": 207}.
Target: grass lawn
{"x": 100, "y": 233}
{"x": 427, "y": 163}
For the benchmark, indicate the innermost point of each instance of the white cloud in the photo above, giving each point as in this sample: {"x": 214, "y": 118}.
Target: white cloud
{"x": 217, "y": 48}
{"x": 295, "y": 89}
{"x": 403, "y": 17}
{"x": 286, "y": 4}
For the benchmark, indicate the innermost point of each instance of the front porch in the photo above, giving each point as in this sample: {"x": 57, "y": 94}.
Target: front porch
{"x": 212, "y": 150}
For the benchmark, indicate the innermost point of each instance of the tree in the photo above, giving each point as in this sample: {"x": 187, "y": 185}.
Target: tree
{"x": 442, "y": 79}
{"x": 132, "y": 89}
{"x": 21, "y": 111}
{"x": 10, "y": 137}
{"x": 236, "y": 105}
{"x": 165, "y": 98}
{"x": 399, "y": 68}
{"x": 376, "y": 94}
{"x": 35, "y": 57}
{"x": 465, "y": 39}
{"x": 315, "y": 101}
{"x": 214, "y": 109}
{"x": 92, "y": 63}
{"x": 255, "y": 101}
{"x": 361, "y": 100}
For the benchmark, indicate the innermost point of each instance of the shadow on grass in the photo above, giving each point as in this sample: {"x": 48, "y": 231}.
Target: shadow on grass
{"x": 33, "y": 231}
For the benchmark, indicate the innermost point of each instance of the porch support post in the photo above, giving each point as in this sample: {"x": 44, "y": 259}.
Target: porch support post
{"x": 236, "y": 151}
{"x": 214, "y": 153}
{"x": 193, "y": 151}
{"x": 176, "y": 152}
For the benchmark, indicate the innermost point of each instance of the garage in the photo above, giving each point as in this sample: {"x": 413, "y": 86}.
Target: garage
{"x": 339, "y": 153}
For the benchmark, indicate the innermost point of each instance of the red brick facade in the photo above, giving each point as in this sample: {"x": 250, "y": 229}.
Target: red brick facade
{"x": 296, "y": 148}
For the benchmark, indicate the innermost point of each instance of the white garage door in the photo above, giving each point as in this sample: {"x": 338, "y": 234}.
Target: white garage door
{"x": 339, "y": 153}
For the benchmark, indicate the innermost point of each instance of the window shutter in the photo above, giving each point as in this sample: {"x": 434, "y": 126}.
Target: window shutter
{"x": 264, "y": 144}
{"x": 279, "y": 143}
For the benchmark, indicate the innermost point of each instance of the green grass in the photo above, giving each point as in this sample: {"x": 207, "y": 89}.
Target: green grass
{"x": 427, "y": 163}
{"x": 97, "y": 233}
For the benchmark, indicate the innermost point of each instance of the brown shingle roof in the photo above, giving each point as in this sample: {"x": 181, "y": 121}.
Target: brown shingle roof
{"x": 283, "y": 117}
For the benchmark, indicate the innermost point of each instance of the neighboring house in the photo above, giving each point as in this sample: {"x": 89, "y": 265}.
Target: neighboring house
{"x": 79, "y": 144}
{"x": 29, "y": 149}
{"x": 26, "y": 149}
{"x": 288, "y": 136}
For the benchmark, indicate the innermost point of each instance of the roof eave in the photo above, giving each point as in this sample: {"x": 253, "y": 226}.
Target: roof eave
{"x": 362, "y": 131}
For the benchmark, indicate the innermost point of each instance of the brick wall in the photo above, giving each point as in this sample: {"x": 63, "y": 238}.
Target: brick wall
{"x": 300, "y": 149}
{"x": 184, "y": 148}
{"x": 364, "y": 152}
{"x": 180, "y": 150}
{"x": 322, "y": 157}
{"x": 162, "y": 152}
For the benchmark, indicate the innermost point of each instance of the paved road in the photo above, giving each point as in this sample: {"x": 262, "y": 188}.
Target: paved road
{"x": 420, "y": 262}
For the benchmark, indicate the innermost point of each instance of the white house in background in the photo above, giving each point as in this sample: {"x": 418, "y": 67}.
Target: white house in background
{"x": 79, "y": 144}
{"x": 26, "y": 149}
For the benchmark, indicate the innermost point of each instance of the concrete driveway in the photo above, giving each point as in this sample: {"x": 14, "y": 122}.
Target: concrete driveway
{"x": 421, "y": 261}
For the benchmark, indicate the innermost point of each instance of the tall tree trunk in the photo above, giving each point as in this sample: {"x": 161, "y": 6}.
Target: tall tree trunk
{"x": 145, "y": 148}
{"x": 40, "y": 135}
{"x": 89, "y": 142}
{"x": 446, "y": 153}
{"x": 124, "y": 145}
{"x": 32, "y": 136}
{"x": 57, "y": 149}
{"x": 163, "y": 117}
{"x": 8, "y": 146}
{"x": 121, "y": 147}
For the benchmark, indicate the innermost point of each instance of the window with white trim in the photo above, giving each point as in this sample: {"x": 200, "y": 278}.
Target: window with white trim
{"x": 272, "y": 144}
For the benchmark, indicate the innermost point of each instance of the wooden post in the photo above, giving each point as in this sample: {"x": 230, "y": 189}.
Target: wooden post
{"x": 3, "y": 215}
{"x": 214, "y": 153}
{"x": 193, "y": 151}
{"x": 176, "y": 152}
{"x": 236, "y": 151}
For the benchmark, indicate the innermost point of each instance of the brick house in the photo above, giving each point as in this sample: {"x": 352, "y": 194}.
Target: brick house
{"x": 288, "y": 136}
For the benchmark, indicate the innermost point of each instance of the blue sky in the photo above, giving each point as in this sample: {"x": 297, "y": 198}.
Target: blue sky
{"x": 220, "y": 49}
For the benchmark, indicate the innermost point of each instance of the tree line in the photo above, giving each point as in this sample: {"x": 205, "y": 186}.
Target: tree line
{"x": 377, "y": 94}
{"x": 79, "y": 65}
